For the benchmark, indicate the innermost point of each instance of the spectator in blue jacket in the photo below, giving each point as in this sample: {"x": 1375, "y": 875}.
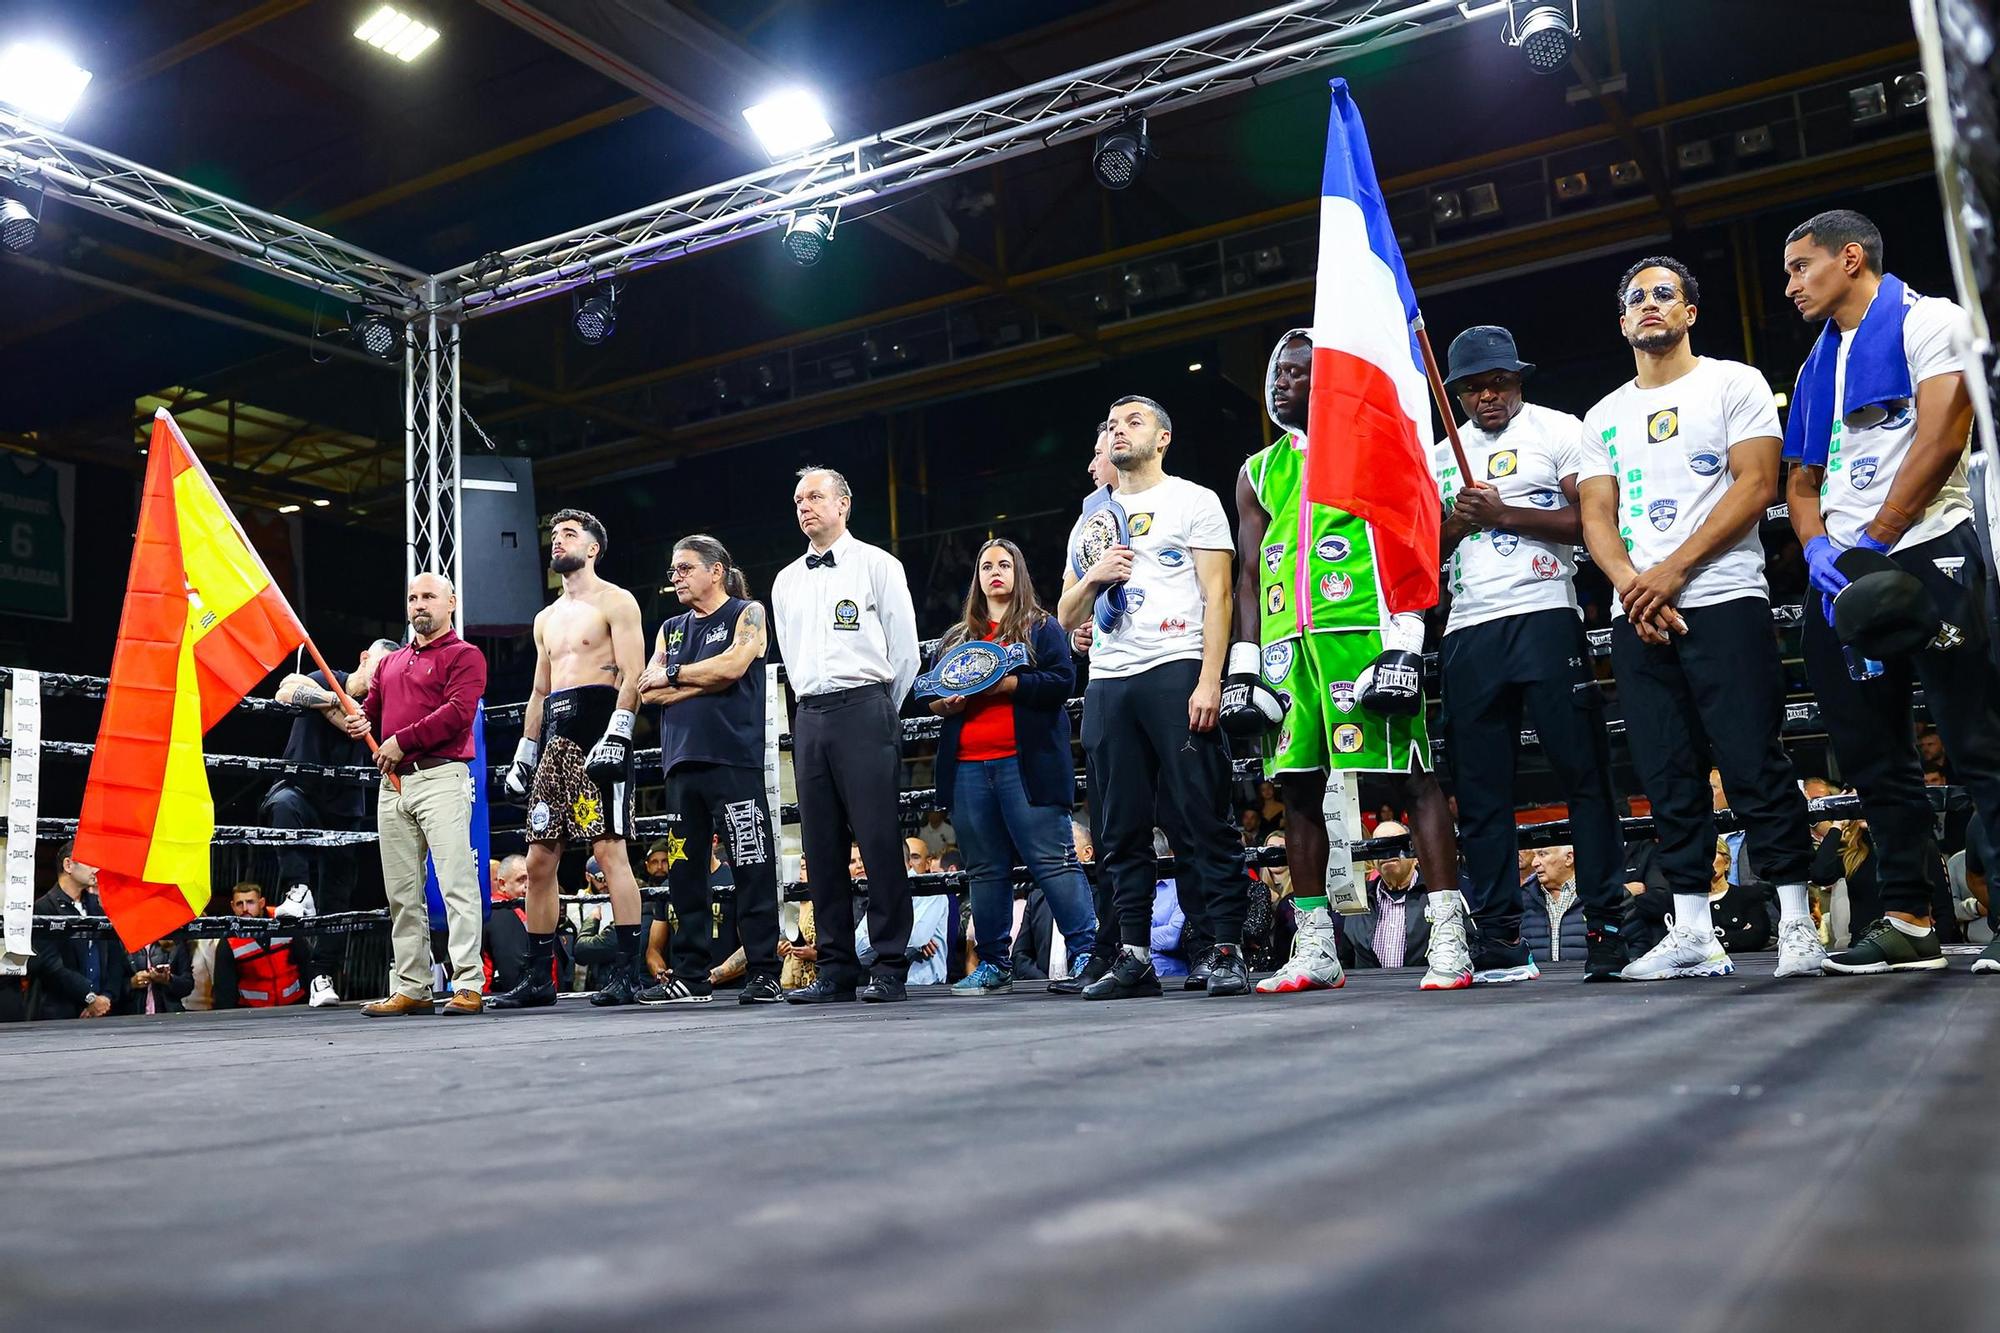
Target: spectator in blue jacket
{"x": 1004, "y": 773}
{"x": 1552, "y": 923}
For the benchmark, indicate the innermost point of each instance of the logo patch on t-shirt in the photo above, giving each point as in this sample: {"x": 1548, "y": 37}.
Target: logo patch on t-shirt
{"x": 716, "y": 635}
{"x": 1278, "y": 662}
{"x": 1545, "y": 565}
{"x": 674, "y": 638}
{"x": 1705, "y": 462}
{"x": 1542, "y": 499}
{"x": 1139, "y": 524}
{"x": 1503, "y": 463}
{"x": 1663, "y": 513}
{"x": 1274, "y": 598}
{"x": 1332, "y": 549}
{"x": 1342, "y": 692}
{"x": 1274, "y": 556}
{"x": 1663, "y": 424}
{"x": 1173, "y": 557}
{"x": 846, "y": 615}
{"x": 1861, "y": 472}
{"x": 1504, "y": 541}
{"x": 1347, "y": 738}
{"x": 1336, "y": 587}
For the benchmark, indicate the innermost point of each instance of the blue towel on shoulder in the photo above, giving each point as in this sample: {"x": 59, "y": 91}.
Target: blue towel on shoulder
{"x": 1877, "y": 373}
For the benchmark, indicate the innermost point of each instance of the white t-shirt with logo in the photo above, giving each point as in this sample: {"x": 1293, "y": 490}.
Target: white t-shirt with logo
{"x": 1863, "y": 459}
{"x": 1169, "y": 522}
{"x": 1497, "y": 574}
{"x": 1669, "y": 448}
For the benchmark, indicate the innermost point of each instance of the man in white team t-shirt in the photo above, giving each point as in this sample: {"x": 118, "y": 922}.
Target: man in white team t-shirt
{"x": 1149, "y": 712}
{"x": 1683, "y": 463}
{"x": 1514, "y": 647}
{"x": 1879, "y": 426}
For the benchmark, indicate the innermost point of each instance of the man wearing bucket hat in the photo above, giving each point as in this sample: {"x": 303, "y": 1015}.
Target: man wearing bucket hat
{"x": 1514, "y": 646}
{"x": 1878, "y": 496}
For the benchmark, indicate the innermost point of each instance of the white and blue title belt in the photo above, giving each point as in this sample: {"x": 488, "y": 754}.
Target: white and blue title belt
{"x": 971, "y": 668}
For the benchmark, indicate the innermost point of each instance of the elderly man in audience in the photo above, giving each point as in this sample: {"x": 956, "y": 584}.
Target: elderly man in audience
{"x": 1393, "y": 932}
{"x": 1553, "y": 925}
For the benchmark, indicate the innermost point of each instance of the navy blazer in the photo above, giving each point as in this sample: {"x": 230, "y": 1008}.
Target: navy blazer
{"x": 1041, "y": 724}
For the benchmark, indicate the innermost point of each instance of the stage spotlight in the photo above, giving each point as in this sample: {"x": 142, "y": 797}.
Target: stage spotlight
{"x": 595, "y": 315}
{"x": 1119, "y": 152}
{"x": 1447, "y": 208}
{"x": 1912, "y": 91}
{"x": 1626, "y": 175}
{"x": 1546, "y": 33}
{"x": 375, "y": 334}
{"x": 789, "y": 122}
{"x": 1482, "y": 200}
{"x": 395, "y": 33}
{"x": 18, "y": 225}
{"x": 1696, "y": 155}
{"x": 1753, "y": 142}
{"x": 1267, "y": 260}
{"x": 807, "y": 235}
{"x": 1867, "y": 104}
{"x": 1573, "y": 187}
{"x": 41, "y": 82}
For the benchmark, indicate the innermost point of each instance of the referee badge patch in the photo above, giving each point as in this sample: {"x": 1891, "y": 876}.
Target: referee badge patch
{"x": 1347, "y": 738}
{"x": 846, "y": 615}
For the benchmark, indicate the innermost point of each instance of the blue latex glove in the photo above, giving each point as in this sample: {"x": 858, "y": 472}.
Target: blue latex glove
{"x": 1866, "y": 543}
{"x": 1820, "y": 555}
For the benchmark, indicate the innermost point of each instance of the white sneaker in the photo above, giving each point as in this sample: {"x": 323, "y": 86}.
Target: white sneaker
{"x": 1683, "y": 953}
{"x": 323, "y": 995}
{"x": 1450, "y": 955}
{"x": 297, "y": 906}
{"x": 1314, "y": 965}
{"x": 1800, "y": 953}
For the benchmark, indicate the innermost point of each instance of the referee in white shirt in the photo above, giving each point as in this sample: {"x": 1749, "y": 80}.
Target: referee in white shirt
{"x": 849, "y": 638}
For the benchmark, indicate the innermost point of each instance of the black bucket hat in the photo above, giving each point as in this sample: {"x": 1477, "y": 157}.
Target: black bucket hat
{"x": 1481, "y": 348}
{"x": 1884, "y": 611}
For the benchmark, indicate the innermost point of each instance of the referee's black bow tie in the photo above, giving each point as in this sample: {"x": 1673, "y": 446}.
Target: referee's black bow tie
{"x": 815, "y": 561}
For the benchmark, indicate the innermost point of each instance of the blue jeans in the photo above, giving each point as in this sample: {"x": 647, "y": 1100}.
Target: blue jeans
{"x": 996, "y": 828}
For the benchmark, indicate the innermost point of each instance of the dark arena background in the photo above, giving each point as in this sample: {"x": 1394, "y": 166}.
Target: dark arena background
{"x": 410, "y": 283}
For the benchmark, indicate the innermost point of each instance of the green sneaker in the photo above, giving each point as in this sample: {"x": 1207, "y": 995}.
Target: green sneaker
{"x": 1884, "y": 948}
{"x": 1989, "y": 957}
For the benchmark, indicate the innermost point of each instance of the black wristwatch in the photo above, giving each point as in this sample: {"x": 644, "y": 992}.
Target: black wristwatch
{"x": 673, "y": 674}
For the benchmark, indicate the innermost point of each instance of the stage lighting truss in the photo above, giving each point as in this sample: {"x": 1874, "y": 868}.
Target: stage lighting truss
{"x": 1120, "y": 153}
{"x": 595, "y": 312}
{"x": 809, "y": 233}
{"x": 1546, "y": 33}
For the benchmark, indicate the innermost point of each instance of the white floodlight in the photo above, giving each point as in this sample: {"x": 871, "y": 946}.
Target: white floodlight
{"x": 41, "y": 82}
{"x": 390, "y": 30}
{"x": 789, "y": 122}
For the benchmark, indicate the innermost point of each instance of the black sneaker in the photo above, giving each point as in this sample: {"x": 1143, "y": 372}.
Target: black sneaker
{"x": 819, "y": 991}
{"x": 757, "y": 990}
{"x": 1197, "y": 977}
{"x": 1884, "y": 948}
{"x": 1081, "y": 974}
{"x": 1496, "y": 964}
{"x": 1128, "y": 977}
{"x": 1228, "y": 974}
{"x": 1607, "y": 956}
{"x": 882, "y": 988}
{"x": 672, "y": 991}
{"x": 617, "y": 988}
{"x": 536, "y": 990}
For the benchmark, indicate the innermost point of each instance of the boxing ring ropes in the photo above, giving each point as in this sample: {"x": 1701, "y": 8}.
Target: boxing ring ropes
{"x": 1274, "y": 43}
{"x": 22, "y": 744}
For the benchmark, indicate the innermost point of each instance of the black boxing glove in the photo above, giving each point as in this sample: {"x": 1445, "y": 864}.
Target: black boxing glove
{"x": 1249, "y": 706}
{"x": 607, "y": 760}
{"x": 1393, "y": 684}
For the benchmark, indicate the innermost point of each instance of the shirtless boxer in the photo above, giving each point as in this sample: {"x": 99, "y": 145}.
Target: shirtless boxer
{"x": 573, "y": 767}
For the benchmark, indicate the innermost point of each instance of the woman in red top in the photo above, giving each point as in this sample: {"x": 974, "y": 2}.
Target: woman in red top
{"x": 1004, "y": 774}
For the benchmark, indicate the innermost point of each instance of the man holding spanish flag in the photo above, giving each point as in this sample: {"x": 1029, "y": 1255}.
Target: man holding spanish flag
{"x": 203, "y": 624}
{"x": 1337, "y": 545}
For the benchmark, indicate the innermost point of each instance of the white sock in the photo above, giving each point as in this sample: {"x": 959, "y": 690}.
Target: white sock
{"x": 1140, "y": 952}
{"x": 1794, "y": 902}
{"x": 1691, "y": 913}
{"x": 1443, "y": 902}
{"x": 1908, "y": 929}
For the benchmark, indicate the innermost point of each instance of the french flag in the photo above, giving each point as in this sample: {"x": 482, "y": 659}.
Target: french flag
{"x": 1368, "y": 420}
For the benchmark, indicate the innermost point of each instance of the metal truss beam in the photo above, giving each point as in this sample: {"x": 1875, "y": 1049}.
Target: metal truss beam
{"x": 1289, "y": 39}
{"x": 90, "y": 178}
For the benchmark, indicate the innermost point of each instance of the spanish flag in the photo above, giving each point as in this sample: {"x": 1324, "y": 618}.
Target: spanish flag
{"x": 203, "y": 624}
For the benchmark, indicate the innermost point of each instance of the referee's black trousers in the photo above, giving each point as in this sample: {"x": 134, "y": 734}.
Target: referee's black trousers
{"x": 1536, "y": 664}
{"x": 847, "y": 750}
{"x": 1713, "y": 698}
{"x": 1871, "y": 722}
{"x": 704, "y": 800}
{"x": 286, "y": 806}
{"x": 1146, "y": 761}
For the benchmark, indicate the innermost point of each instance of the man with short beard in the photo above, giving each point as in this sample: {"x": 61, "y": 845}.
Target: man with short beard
{"x": 1683, "y": 462}
{"x": 573, "y": 766}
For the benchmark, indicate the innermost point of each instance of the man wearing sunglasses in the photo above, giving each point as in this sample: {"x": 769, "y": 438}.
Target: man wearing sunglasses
{"x": 1683, "y": 462}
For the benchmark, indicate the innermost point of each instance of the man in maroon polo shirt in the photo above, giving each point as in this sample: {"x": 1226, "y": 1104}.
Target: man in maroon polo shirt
{"x": 425, "y": 697}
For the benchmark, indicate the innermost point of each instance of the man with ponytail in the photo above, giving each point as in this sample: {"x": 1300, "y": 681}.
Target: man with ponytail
{"x": 707, "y": 676}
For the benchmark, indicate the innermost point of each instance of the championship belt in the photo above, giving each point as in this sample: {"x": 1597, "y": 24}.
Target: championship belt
{"x": 1103, "y": 528}
{"x": 973, "y": 667}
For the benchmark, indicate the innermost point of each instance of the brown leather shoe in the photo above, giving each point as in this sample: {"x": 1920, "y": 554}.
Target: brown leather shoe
{"x": 465, "y": 1002}
{"x": 396, "y": 1006}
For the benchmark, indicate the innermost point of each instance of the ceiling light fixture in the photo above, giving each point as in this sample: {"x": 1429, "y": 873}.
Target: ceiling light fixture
{"x": 1119, "y": 153}
{"x": 789, "y": 123}
{"x": 41, "y": 82}
{"x": 392, "y": 31}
